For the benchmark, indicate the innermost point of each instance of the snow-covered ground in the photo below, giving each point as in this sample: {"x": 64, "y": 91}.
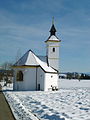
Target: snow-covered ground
{"x": 71, "y": 102}
{"x": 75, "y": 83}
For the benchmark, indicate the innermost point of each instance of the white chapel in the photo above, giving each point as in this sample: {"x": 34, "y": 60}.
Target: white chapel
{"x": 34, "y": 73}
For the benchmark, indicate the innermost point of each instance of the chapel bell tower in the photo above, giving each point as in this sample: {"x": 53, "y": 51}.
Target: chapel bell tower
{"x": 52, "y": 48}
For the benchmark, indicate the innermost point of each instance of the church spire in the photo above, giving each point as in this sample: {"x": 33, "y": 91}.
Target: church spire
{"x": 53, "y": 29}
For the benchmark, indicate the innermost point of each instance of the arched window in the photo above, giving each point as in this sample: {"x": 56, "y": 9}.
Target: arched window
{"x": 19, "y": 76}
{"x": 53, "y": 49}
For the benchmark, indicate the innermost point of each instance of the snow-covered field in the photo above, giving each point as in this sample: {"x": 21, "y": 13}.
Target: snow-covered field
{"x": 71, "y": 102}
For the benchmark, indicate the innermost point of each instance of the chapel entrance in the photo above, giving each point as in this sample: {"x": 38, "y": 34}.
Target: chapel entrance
{"x": 38, "y": 86}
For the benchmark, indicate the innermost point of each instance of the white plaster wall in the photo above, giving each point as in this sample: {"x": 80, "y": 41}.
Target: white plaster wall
{"x": 40, "y": 78}
{"x": 53, "y": 57}
{"x": 16, "y": 84}
{"x": 50, "y": 79}
{"x": 54, "y": 63}
{"x": 29, "y": 79}
{"x": 52, "y": 54}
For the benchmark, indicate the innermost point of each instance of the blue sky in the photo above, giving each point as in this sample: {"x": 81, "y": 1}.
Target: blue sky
{"x": 25, "y": 24}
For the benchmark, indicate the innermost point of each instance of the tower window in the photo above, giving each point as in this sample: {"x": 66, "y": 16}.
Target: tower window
{"x": 53, "y": 49}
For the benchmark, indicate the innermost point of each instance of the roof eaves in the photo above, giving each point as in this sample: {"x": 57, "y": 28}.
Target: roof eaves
{"x": 53, "y": 40}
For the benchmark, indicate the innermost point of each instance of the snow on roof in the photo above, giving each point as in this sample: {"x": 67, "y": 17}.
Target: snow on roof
{"x": 30, "y": 59}
{"x": 53, "y": 37}
{"x": 44, "y": 65}
{"x": 26, "y": 59}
